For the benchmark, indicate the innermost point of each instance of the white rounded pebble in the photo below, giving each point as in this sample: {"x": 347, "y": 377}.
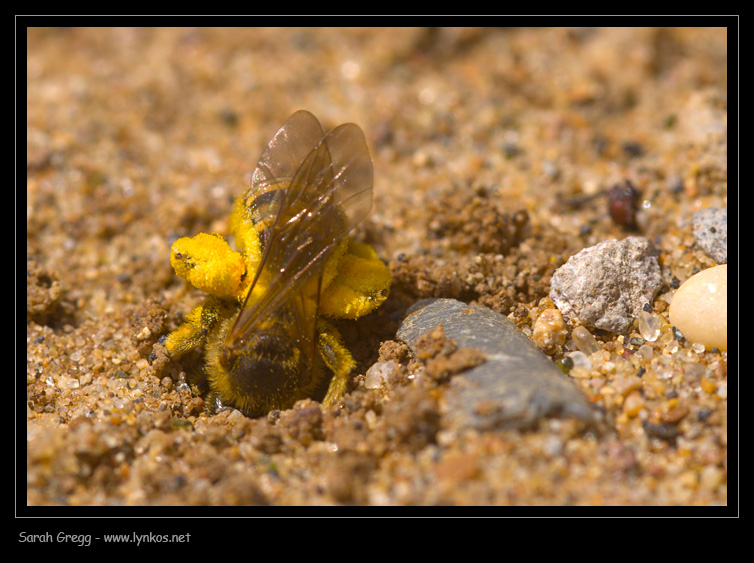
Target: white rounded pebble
{"x": 700, "y": 308}
{"x": 378, "y": 374}
{"x": 580, "y": 360}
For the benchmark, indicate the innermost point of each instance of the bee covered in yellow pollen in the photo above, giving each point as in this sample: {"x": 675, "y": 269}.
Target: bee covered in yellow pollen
{"x": 264, "y": 326}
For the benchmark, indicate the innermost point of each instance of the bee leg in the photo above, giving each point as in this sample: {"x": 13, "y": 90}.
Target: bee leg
{"x": 188, "y": 336}
{"x": 193, "y": 333}
{"x": 361, "y": 286}
{"x": 337, "y": 358}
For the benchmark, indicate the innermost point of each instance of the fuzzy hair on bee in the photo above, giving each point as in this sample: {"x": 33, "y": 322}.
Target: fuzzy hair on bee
{"x": 266, "y": 327}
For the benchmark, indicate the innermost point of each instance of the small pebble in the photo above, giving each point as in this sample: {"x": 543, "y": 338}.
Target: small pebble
{"x": 584, "y": 341}
{"x": 549, "y": 330}
{"x": 645, "y": 351}
{"x": 633, "y": 404}
{"x": 649, "y": 326}
{"x": 710, "y": 227}
{"x": 607, "y": 285}
{"x": 700, "y": 308}
{"x": 580, "y": 360}
{"x": 378, "y": 374}
{"x": 707, "y": 385}
{"x": 711, "y": 477}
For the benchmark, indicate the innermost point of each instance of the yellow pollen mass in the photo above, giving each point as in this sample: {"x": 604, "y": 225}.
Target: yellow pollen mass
{"x": 361, "y": 286}
{"x": 208, "y": 263}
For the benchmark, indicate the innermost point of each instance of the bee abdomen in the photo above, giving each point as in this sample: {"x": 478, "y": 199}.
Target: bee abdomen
{"x": 265, "y": 375}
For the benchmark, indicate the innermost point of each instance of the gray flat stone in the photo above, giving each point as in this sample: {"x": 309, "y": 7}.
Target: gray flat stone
{"x": 517, "y": 385}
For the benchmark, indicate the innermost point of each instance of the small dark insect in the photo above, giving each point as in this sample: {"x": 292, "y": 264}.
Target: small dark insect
{"x": 623, "y": 201}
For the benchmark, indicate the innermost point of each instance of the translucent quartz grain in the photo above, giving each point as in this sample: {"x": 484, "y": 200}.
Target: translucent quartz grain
{"x": 584, "y": 341}
{"x": 580, "y": 360}
{"x": 649, "y": 326}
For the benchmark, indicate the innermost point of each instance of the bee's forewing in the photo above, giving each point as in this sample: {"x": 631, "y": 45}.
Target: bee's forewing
{"x": 287, "y": 150}
{"x": 352, "y": 171}
{"x": 329, "y": 190}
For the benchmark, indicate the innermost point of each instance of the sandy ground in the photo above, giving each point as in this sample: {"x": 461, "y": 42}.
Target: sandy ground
{"x": 479, "y": 137}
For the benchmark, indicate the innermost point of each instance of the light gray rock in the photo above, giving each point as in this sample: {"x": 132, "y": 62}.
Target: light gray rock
{"x": 710, "y": 228}
{"x": 517, "y": 385}
{"x": 607, "y": 285}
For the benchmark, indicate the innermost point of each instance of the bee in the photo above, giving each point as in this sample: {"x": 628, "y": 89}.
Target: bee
{"x": 265, "y": 327}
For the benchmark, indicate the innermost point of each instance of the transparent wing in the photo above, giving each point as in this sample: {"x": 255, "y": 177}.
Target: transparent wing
{"x": 287, "y": 149}
{"x": 277, "y": 166}
{"x": 317, "y": 201}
